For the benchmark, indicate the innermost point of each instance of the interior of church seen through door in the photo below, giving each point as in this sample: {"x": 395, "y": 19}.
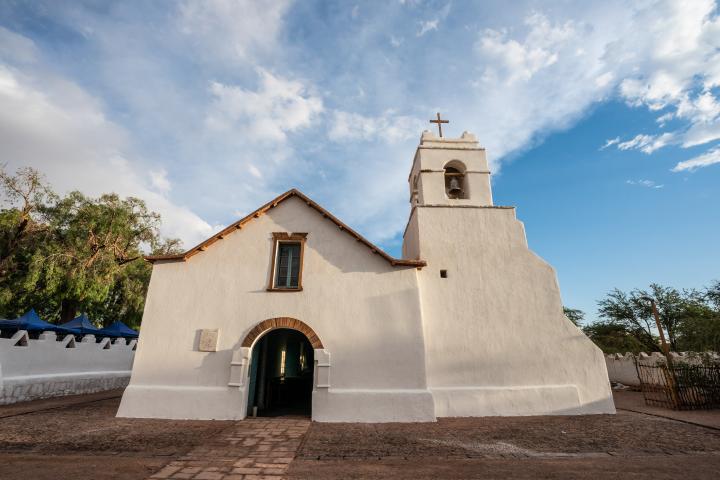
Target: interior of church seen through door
{"x": 281, "y": 374}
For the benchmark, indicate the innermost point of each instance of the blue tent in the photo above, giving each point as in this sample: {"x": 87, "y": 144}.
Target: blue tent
{"x": 81, "y": 325}
{"x": 32, "y": 323}
{"x": 118, "y": 329}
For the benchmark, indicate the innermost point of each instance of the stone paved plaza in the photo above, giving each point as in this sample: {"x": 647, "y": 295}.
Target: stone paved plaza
{"x": 80, "y": 438}
{"x": 253, "y": 449}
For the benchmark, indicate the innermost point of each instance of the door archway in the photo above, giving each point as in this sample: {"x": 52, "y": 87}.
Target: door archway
{"x": 282, "y": 322}
{"x": 281, "y": 367}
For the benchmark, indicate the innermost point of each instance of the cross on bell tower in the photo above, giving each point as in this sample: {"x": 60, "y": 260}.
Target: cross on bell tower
{"x": 439, "y": 122}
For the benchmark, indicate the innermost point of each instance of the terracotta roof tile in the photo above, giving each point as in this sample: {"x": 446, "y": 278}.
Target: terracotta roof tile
{"x": 396, "y": 262}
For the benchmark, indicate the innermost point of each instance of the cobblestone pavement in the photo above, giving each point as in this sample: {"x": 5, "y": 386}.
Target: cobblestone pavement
{"x": 253, "y": 449}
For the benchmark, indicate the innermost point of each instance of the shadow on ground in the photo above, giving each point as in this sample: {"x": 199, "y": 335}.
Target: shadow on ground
{"x": 80, "y": 438}
{"x": 64, "y": 439}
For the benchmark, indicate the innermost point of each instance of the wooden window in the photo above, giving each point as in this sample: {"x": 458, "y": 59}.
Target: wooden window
{"x": 287, "y": 262}
{"x": 288, "y": 265}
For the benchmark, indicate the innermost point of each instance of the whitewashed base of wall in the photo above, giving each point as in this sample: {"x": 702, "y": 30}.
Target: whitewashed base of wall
{"x": 24, "y": 389}
{"x": 32, "y": 369}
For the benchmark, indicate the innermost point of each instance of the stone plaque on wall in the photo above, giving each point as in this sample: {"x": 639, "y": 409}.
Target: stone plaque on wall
{"x": 208, "y": 340}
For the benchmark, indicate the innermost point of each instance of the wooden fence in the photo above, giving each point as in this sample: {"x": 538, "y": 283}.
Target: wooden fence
{"x": 680, "y": 387}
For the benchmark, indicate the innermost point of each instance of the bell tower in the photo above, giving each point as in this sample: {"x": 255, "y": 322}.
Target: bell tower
{"x": 449, "y": 178}
{"x": 496, "y": 339}
{"x": 449, "y": 172}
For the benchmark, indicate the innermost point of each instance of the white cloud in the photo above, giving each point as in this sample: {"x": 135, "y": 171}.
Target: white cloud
{"x": 254, "y": 171}
{"x": 656, "y": 93}
{"x": 610, "y": 143}
{"x": 647, "y": 143}
{"x": 644, "y": 183}
{"x": 708, "y": 158}
{"x": 53, "y": 125}
{"x": 209, "y": 92}
{"x": 387, "y": 126}
{"x": 663, "y": 119}
{"x": 159, "y": 180}
{"x": 541, "y": 76}
{"x": 428, "y": 26}
{"x": 510, "y": 60}
{"x": 535, "y": 78}
{"x": 16, "y": 48}
{"x": 677, "y": 56}
{"x": 432, "y": 24}
{"x": 277, "y": 107}
{"x": 233, "y": 29}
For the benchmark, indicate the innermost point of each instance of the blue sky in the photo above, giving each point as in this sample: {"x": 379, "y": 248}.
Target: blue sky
{"x": 601, "y": 120}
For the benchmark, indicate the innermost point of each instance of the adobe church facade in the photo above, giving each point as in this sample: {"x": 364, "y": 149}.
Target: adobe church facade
{"x": 290, "y": 310}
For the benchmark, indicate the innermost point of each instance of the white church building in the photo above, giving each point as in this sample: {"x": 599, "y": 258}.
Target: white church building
{"x": 289, "y": 310}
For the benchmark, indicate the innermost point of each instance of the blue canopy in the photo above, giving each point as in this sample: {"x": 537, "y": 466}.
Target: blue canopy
{"x": 118, "y": 329}
{"x": 81, "y": 325}
{"x": 31, "y": 322}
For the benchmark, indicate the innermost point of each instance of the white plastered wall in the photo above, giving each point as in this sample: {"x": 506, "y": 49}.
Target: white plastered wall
{"x": 365, "y": 312}
{"x": 497, "y": 340}
{"x": 496, "y": 337}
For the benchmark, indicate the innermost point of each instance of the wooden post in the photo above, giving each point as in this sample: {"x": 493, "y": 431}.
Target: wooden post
{"x": 663, "y": 342}
{"x": 670, "y": 377}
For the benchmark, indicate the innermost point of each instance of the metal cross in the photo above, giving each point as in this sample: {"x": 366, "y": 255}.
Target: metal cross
{"x": 439, "y": 123}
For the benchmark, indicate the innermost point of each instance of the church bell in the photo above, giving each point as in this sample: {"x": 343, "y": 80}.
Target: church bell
{"x": 454, "y": 190}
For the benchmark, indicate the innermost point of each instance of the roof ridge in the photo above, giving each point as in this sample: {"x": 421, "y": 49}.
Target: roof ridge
{"x": 293, "y": 192}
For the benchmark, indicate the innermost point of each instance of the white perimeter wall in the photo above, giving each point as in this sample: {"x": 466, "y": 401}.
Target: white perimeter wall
{"x": 47, "y": 368}
{"x": 621, "y": 368}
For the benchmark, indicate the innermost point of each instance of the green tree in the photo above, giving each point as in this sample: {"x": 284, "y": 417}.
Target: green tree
{"x": 699, "y": 328}
{"x": 613, "y": 337}
{"x": 712, "y": 295}
{"x": 691, "y": 318}
{"x": 95, "y": 242}
{"x": 574, "y": 315}
{"x": 634, "y": 312}
{"x": 74, "y": 254}
{"x": 23, "y": 228}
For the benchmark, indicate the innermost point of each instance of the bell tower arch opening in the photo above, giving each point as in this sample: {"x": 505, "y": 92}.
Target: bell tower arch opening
{"x": 456, "y": 185}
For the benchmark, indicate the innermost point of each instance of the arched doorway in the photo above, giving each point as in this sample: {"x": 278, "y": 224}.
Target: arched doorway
{"x": 281, "y": 374}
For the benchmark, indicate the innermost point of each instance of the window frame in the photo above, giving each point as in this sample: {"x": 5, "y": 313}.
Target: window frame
{"x": 285, "y": 237}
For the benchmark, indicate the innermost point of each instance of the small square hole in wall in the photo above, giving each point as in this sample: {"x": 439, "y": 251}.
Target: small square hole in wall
{"x": 443, "y": 273}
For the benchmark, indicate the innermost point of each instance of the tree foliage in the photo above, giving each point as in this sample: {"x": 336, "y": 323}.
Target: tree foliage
{"x": 574, "y": 315}
{"x": 613, "y": 337}
{"x": 71, "y": 254}
{"x": 689, "y": 318}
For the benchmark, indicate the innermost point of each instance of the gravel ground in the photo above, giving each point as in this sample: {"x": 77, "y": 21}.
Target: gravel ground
{"x": 622, "y": 434}
{"x": 645, "y": 468}
{"x": 87, "y": 441}
{"x": 81, "y": 438}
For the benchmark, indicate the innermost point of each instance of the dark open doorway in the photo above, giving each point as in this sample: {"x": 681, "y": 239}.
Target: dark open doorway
{"x": 281, "y": 374}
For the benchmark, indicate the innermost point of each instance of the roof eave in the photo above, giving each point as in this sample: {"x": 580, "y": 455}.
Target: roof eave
{"x": 399, "y": 262}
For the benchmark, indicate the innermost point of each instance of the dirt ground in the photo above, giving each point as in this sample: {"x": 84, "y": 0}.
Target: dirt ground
{"x": 623, "y": 433}
{"x": 70, "y": 440}
{"x": 628, "y": 444}
{"x": 80, "y": 438}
